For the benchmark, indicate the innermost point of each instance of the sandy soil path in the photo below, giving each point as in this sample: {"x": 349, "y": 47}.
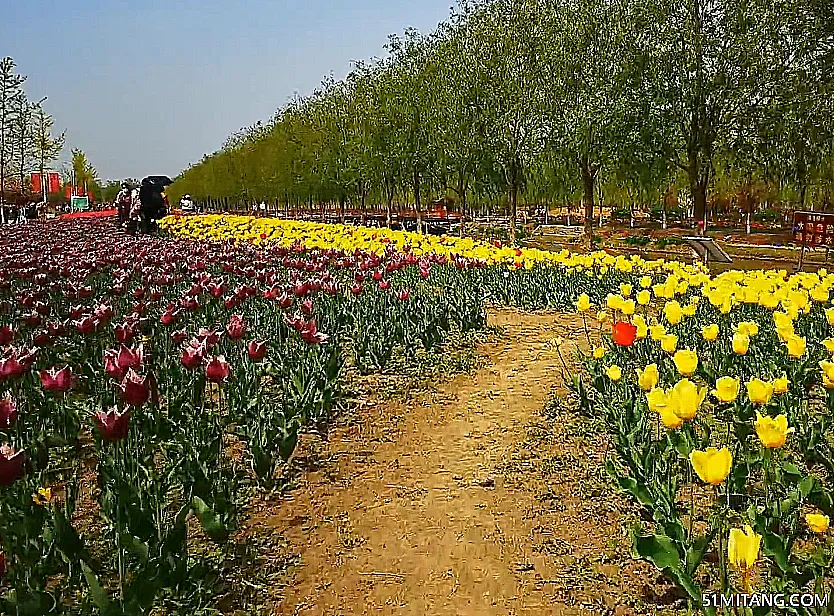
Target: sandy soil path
{"x": 463, "y": 501}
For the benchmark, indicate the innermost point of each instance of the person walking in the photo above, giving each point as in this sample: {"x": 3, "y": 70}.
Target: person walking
{"x": 123, "y": 202}
{"x": 152, "y": 205}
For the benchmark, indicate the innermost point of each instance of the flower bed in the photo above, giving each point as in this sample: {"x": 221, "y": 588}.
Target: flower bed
{"x": 178, "y": 372}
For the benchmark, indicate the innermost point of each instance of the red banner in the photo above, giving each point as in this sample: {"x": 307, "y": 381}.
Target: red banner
{"x": 54, "y": 181}
{"x": 37, "y": 186}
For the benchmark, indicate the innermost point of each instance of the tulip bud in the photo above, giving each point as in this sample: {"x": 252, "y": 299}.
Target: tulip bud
{"x": 11, "y": 465}
{"x": 236, "y": 327}
{"x": 257, "y": 351}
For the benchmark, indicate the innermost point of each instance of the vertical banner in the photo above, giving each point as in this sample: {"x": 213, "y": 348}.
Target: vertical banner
{"x": 68, "y": 192}
{"x": 54, "y": 182}
{"x": 37, "y": 185}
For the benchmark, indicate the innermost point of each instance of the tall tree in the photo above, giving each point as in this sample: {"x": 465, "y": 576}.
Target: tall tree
{"x": 10, "y": 84}
{"x": 46, "y": 148}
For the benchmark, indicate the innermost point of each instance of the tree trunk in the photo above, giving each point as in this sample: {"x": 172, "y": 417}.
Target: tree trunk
{"x": 417, "y": 201}
{"x": 803, "y": 190}
{"x": 588, "y": 177}
{"x": 514, "y": 171}
{"x": 342, "y": 208}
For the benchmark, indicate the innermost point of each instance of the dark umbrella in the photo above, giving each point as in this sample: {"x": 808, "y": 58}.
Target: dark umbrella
{"x": 158, "y": 180}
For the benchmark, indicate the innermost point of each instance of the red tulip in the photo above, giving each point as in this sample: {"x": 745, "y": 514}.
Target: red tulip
{"x": 42, "y": 339}
{"x": 169, "y": 317}
{"x": 236, "y": 327}
{"x": 111, "y": 365}
{"x": 134, "y": 388}
{"x": 57, "y": 381}
{"x": 307, "y": 306}
{"x": 257, "y": 351}
{"x": 8, "y": 413}
{"x": 384, "y": 284}
{"x": 6, "y": 335}
{"x": 208, "y": 337}
{"x": 113, "y": 424}
{"x": 217, "y": 370}
{"x": 311, "y": 335}
{"x": 11, "y": 368}
{"x": 2, "y": 565}
{"x": 377, "y": 276}
{"x": 356, "y": 289}
{"x": 11, "y": 465}
{"x": 191, "y": 358}
{"x": 404, "y": 294}
{"x": 179, "y": 336}
{"x": 624, "y": 334}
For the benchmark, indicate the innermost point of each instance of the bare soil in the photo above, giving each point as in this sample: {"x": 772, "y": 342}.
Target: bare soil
{"x": 480, "y": 496}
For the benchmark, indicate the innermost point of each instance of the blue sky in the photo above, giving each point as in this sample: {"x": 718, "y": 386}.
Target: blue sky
{"x": 149, "y": 86}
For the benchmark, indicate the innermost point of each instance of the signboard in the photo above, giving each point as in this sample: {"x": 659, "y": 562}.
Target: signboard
{"x": 80, "y": 204}
{"x": 813, "y": 229}
{"x": 53, "y": 182}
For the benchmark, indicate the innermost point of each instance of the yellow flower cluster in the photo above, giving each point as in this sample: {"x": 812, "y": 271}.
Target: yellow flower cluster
{"x": 348, "y": 238}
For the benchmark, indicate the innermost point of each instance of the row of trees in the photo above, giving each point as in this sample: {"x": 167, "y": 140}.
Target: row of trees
{"x": 554, "y": 101}
{"x": 27, "y": 142}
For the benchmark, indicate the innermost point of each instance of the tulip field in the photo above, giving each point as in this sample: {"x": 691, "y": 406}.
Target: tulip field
{"x": 149, "y": 383}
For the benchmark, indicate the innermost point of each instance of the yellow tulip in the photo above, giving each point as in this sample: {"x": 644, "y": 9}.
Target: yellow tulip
{"x": 602, "y": 316}
{"x": 829, "y": 314}
{"x": 780, "y": 385}
{"x": 644, "y": 297}
{"x": 685, "y": 398}
{"x": 689, "y": 309}
{"x": 642, "y": 328}
{"x": 796, "y": 346}
{"x": 648, "y": 377}
{"x": 669, "y": 342}
{"x": 670, "y": 419}
{"x": 726, "y": 389}
{"x": 748, "y": 328}
{"x": 828, "y": 343}
{"x": 712, "y": 465}
{"x": 657, "y": 399}
{"x": 817, "y": 523}
{"x": 710, "y": 332}
{"x": 686, "y": 361}
{"x": 625, "y": 289}
{"x": 672, "y": 312}
{"x": 759, "y": 391}
{"x": 741, "y": 343}
{"x": 772, "y": 432}
{"x": 627, "y": 307}
{"x": 614, "y": 373}
{"x": 599, "y": 353}
{"x": 827, "y": 374}
{"x": 646, "y": 282}
{"x": 657, "y": 332}
{"x": 743, "y": 549}
{"x": 784, "y": 321}
{"x": 819, "y": 294}
{"x": 583, "y": 303}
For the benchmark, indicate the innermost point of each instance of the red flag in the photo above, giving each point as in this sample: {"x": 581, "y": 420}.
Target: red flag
{"x": 37, "y": 186}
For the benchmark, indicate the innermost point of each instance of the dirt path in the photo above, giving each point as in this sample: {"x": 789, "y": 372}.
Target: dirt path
{"x": 463, "y": 501}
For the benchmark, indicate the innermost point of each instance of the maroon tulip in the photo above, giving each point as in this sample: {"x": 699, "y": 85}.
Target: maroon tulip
{"x": 217, "y": 370}
{"x": 85, "y": 326}
{"x": 6, "y": 335}
{"x": 257, "y": 350}
{"x": 208, "y": 337}
{"x": 179, "y": 336}
{"x": 124, "y": 333}
{"x": 42, "y": 339}
{"x": 236, "y": 327}
{"x": 111, "y": 365}
{"x": 8, "y": 413}
{"x": 130, "y": 358}
{"x": 384, "y": 285}
{"x": 57, "y": 381}
{"x": 11, "y": 368}
{"x": 404, "y": 294}
{"x": 377, "y": 275}
{"x": 113, "y": 424}
{"x": 11, "y": 465}
{"x": 2, "y": 565}
{"x": 191, "y": 358}
{"x": 356, "y": 289}
{"x": 134, "y": 388}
